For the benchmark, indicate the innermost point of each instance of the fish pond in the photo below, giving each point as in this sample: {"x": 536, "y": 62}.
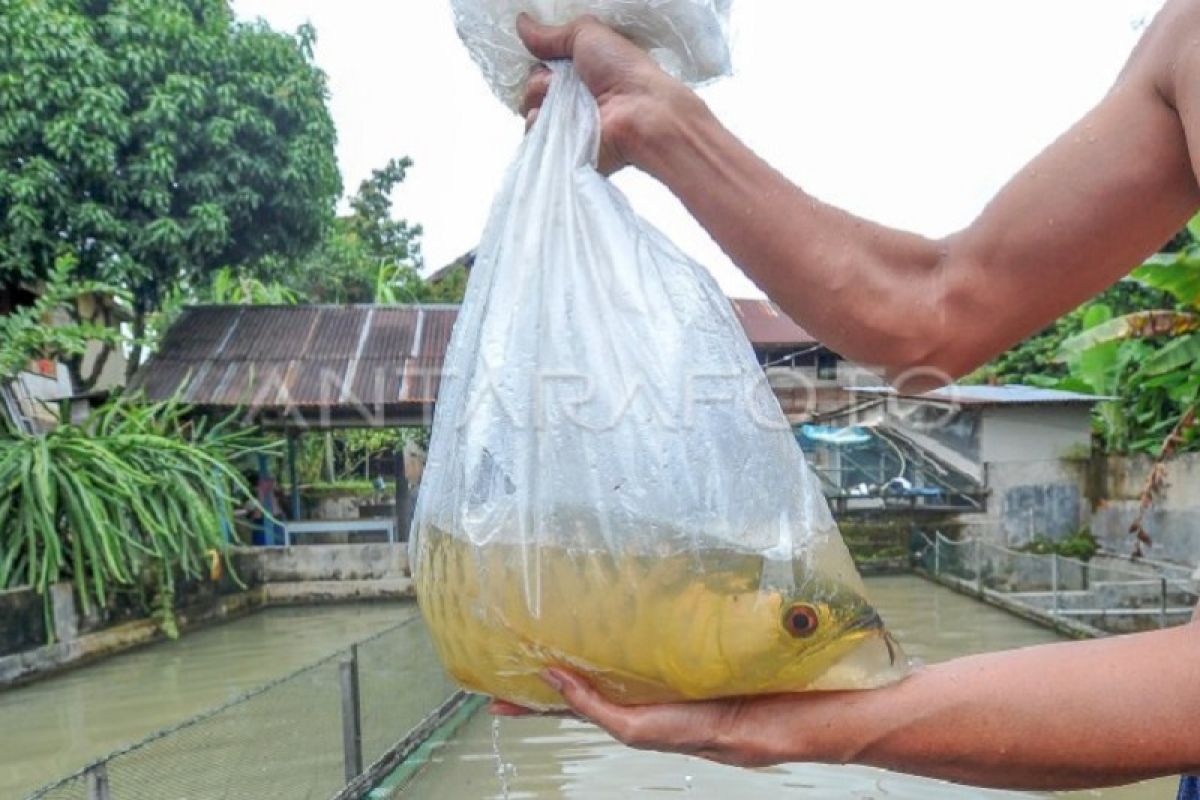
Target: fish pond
{"x": 549, "y": 759}
{"x": 52, "y": 728}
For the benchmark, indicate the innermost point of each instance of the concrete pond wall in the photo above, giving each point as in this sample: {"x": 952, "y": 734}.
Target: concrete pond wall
{"x": 264, "y": 577}
{"x": 22, "y": 621}
{"x": 1033, "y": 498}
{"x": 1055, "y": 499}
{"x": 1173, "y": 522}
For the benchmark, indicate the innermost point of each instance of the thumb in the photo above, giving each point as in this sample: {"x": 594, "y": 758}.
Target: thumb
{"x": 547, "y": 42}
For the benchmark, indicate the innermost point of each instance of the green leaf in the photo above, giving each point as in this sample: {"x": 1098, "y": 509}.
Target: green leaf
{"x": 1178, "y": 354}
{"x": 1140, "y": 325}
{"x": 1177, "y": 274}
{"x": 1096, "y": 314}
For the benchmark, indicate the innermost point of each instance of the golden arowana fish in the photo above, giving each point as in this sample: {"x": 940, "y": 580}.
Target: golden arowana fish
{"x": 700, "y": 624}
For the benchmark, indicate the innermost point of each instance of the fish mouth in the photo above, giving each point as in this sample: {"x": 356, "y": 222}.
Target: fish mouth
{"x": 868, "y": 623}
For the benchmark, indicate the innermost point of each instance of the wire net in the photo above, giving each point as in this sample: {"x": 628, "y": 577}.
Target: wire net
{"x": 284, "y": 740}
{"x": 392, "y": 703}
{"x": 1107, "y": 592}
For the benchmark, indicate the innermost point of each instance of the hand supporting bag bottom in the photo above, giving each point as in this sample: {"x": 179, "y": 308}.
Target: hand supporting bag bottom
{"x": 611, "y": 484}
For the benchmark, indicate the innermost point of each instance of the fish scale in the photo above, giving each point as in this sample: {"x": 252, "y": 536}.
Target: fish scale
{"x": 644, "y": 628}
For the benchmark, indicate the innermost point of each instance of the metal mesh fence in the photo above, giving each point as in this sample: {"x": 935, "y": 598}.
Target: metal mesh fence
{"x": 284, "y": 740}
{"x": 392, "y": 702}
{"x": 1107, "y": 592}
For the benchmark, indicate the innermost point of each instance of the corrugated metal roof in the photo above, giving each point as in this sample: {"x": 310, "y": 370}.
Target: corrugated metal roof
{"x": 284, "y": 357}
{"x": 281, "y": 358}
{"x": 1012, "y": 394}
{"x": 767, "y": 326}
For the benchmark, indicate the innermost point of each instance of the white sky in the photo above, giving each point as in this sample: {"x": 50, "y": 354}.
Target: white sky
{"x": 910, "y": 113}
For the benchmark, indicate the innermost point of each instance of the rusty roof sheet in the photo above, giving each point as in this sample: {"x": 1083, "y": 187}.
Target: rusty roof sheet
{"x": 301, "y": 356}
{"x": 767, "y": 326}
{"x": 347, "y": 357}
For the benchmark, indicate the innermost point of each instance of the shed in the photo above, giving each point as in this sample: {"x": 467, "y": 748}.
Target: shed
{"x": 997, "y": 424}
{"x": 305, "y": 366}
{"x": 1027, "y": 445}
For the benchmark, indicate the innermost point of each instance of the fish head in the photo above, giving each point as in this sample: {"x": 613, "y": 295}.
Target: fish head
{"x": 817, "y": 633}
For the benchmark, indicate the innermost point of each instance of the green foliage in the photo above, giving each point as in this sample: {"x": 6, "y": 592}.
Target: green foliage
{"x": 451, "y": 288}
{"x": 1081, "y": 545}
{"x": 349, "y": 487}
{"x": 1148, "y": 359}
{"x": 1138, "y": 342}
{"x": 1035, "y": 361}
{"x": 344, "y": 456}
{"x": 360, "y": 250}
{"x": 157, "y": 140}
{"x": 368, "y": 256}
{"x": 137, "y": 495}
{"x": 230, "y": 288}
{"x": 26, "y": 336}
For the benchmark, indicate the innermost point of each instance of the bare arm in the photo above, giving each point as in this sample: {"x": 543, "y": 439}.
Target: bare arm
{"x": 1091, "y": 206}
{"x": 1061, "y": 716}
{"x": 1074, "y": 221}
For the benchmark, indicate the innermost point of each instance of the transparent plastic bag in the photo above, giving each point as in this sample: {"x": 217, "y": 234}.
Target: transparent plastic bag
{"x": 611, "y": 485}
{"x": 687, "y": 37}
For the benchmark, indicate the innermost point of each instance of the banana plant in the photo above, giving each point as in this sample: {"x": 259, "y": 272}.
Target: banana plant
{"x": 230, "y": 287}
{"x": 1151, "y": 360}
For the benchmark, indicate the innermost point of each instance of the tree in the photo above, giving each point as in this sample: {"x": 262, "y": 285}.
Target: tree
{"x": 368, "y": 256}
{"x": 1035, "y": 360}
{"x": 155, "y": 141}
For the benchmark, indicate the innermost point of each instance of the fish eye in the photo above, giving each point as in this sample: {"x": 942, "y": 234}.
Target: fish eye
{"x": 801, "y": 621}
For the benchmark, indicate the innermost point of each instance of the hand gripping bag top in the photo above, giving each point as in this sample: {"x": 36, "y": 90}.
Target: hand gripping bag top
{"x": 611, "y": 485}
{"x": 688, "y": 38}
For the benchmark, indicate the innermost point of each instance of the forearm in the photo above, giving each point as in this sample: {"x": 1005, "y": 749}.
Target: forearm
{"x": 1053, "y": 717}
{"x": 1075, "y": 220}
{"x": 868, "y": 292}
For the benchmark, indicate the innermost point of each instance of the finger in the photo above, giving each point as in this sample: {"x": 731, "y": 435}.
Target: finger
{"x": 621, "y": 722}
{"x": 536, "y": 89}
{"x": 502, "y": 708}
{"x": 547, "y": 42}
{"x": 531, "y": 119}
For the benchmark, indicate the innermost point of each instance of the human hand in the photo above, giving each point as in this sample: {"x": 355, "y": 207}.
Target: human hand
{"x": 639, "y": 103}
{"x": 744, "y": 732}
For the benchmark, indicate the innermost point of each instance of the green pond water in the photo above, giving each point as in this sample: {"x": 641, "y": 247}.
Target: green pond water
{"x": 548, "y": 759}
{"x": 52, "y": 728}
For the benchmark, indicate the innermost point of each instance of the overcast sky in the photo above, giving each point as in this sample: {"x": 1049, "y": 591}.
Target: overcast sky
{"x": 910, "y": 113}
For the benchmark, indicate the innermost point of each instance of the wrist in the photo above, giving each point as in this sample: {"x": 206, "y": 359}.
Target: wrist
{"x": 660, "y": 132}
{"x": 841, "y": 727}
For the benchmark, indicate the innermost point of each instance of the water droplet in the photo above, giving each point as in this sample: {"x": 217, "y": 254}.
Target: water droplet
{"x": 501, "y": 769}
{"x": 687, "y": 782}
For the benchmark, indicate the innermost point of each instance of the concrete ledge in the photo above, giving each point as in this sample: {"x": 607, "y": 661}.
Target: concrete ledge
{"x": 308, "y": 592}
{"x": 884, "y": 566}
{"x": 42, "y": 662}
{"x": 306, "y": 563}
{"x": 1075, "y": 630}
{"x": 277, "y": 576}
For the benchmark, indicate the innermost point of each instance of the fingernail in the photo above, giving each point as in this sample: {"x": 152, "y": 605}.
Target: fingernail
{"x": 554, "y": 679}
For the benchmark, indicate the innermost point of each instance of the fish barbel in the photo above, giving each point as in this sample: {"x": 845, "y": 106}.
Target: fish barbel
{"x": 647, "y": 629}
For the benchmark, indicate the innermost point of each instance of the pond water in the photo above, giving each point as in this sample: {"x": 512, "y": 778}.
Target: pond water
{"x": 551, "y": 759}
{"x": 55, "y": 727}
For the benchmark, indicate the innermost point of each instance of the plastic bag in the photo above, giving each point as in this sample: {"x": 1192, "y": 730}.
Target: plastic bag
{"x": 687, "y": 37}
{"x": 611, "y": 485}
